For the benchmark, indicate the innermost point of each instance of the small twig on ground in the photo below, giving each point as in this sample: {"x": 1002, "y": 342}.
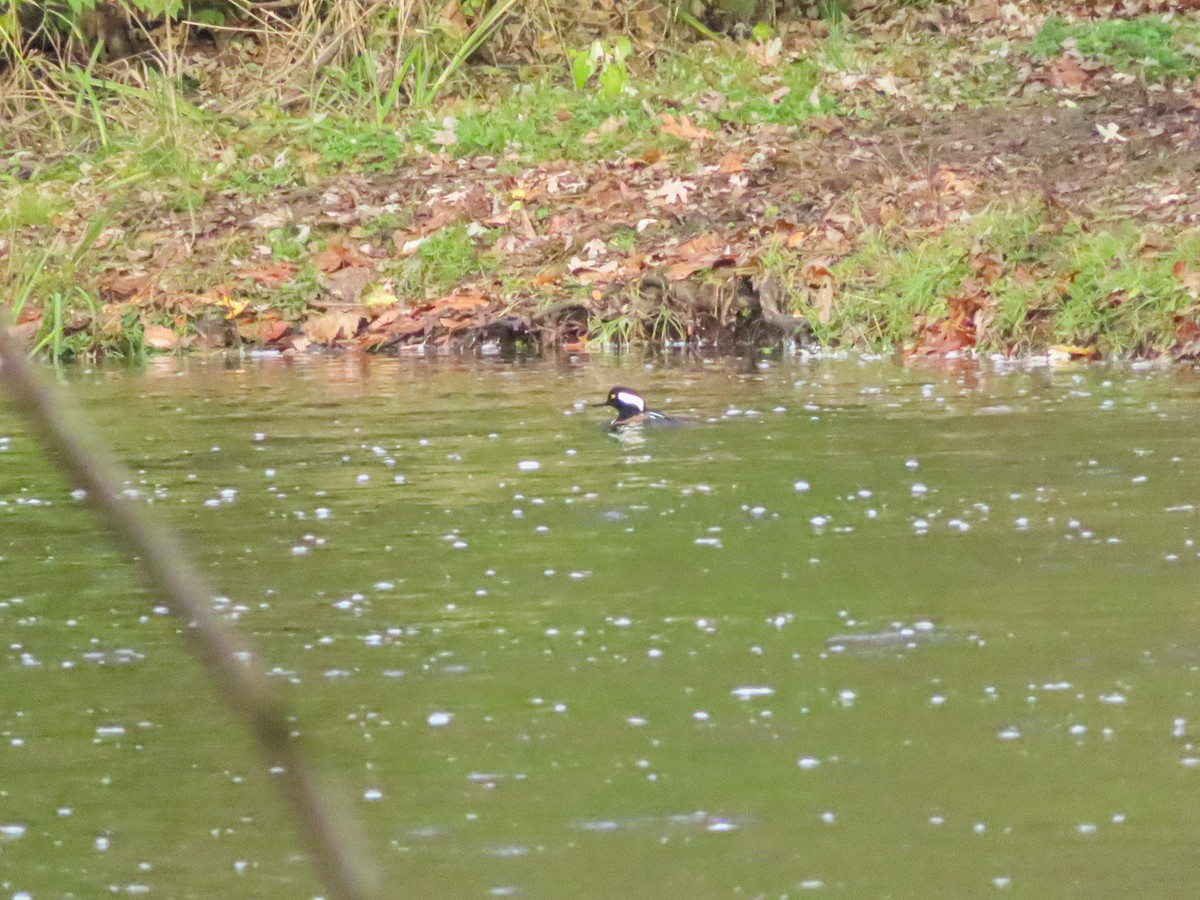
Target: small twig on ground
{"x": 225, "y": 656}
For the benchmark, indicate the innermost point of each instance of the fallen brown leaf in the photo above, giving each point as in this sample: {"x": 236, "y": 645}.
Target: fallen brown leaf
{"x": 115, "y": 286}
{"x": 1070, "y": 351}
{"x": 1065, "y": 73}
{"x": 339, "y": 255}
{"x": 383, "y": 321}
{"x": 171, "y": 252}
{"x": 348, "y": 284}
{"x": 550, "y": 277}
{"x": 683, "y": 128}
{"x": 1189, "y": 278}
{"x": 459, "y": 303}
{"x": 701, "y": 252}
{"x": 834, "y": 242}
{"x": 1187, "y": 332}
{"x": 271, "y": 330}
{"x": 988, "y": 267}
{"x": 731, "y": 164}
{"x": 405, "y": 327}
{"x": 270, "y": 275}
{"x": 819, "y": 280}
{"x": 825, "y": 124}
{"x": 955, "y": 182}
{"x": 672, "y": 193}
{"x": 159, "y": 337}
{"x": 983, "y": 11}
{"x": 29, "y": 313}
{"x": 334, "y": 326}
{"x": 967, "y": 314}
{"x": 1024, "y": 277}
{"x": 604, "y": 195}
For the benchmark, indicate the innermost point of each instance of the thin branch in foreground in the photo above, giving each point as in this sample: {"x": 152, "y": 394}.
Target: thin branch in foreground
{"x": 226, "y": 657}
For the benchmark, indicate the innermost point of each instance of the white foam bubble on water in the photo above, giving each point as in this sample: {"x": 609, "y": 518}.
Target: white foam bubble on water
{"x": 751, "y": 691}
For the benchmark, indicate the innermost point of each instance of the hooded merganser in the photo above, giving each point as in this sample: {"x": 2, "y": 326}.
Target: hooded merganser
{"x": 631, "y": 410}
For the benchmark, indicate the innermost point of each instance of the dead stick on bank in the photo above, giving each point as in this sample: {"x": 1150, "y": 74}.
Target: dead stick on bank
{"x": 225, "y": 657}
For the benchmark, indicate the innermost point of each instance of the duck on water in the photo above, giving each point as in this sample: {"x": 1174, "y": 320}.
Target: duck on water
{"x": 631, "y": 410}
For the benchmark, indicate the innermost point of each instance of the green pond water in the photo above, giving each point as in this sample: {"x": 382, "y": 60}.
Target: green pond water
{"x": 857, "y": 630}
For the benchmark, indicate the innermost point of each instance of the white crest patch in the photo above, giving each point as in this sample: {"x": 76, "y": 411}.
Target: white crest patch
{"x": 627, "y": 399}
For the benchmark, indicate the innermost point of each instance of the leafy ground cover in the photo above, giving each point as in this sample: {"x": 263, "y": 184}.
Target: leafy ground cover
{"x": 937, "y": 180}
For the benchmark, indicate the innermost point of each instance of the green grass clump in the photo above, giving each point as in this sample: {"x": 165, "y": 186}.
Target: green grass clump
{"x": 1126, "y": 298}
{"x": 887, "y": 283}
{"x": 342, "y": 141}
{"x": 24, "y": 206}
{"x": 547, "y": 117}
{"x": 1057, "y": 285}
{"x": 840, "y": 52}
{"x": 775, "y": 96}
{"x": 445, "y": 258}
{"x": 1141, "y": 43}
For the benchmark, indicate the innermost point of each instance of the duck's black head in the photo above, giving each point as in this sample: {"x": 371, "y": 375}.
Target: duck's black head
{"x": 627, "y": 403}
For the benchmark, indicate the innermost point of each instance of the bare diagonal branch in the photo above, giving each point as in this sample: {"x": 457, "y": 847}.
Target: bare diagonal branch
{"x": 226, "y": 657}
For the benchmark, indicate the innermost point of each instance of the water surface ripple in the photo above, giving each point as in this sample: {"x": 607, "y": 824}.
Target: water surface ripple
{"x": 856, "y": 629}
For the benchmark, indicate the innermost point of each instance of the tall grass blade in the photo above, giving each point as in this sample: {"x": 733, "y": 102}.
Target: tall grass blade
{"x": 473, "y": 42}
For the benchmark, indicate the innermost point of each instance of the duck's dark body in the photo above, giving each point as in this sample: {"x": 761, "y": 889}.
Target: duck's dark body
{"x": 631, "y": 410}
